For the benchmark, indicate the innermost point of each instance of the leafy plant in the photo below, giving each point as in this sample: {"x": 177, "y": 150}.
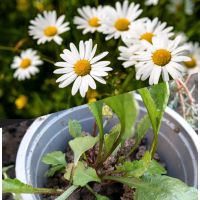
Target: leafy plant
{"x": 146, "y": 175}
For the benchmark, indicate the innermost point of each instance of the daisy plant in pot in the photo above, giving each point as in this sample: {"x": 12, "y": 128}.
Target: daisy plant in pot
{"x": 108, "y": 159}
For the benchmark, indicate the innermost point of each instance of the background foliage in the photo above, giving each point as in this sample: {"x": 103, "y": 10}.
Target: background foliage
{"x": 43, "y": 93}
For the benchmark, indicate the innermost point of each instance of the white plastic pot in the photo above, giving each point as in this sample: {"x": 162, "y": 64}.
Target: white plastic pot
{"x": 177, "y": 144}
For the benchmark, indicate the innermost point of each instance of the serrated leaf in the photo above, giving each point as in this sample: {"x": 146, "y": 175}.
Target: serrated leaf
{"x": 110, "y": 139}
{"x": 69, "y": 171}
{"x": 164, "y": 188}
{"x": 80, "y": 145}
{"x": 101, "y": 197}
{"x": 83, "y": 175}
{"x": 125, "y": 107}
{"x": 158, "y": 187}
{"x": 54, "y": 158}
{"x": 155, "y": 168}
{"x": 142, "y": 128}
{"x": 160, "y": 95}
{"x": 52, "y": 170}
{"x": 136, "y": 168}
{"x": 16, "y": 186}
{"x": 155, "y": 100}
{"x": 75, "y": 128}
{"x": 67, "y": 193}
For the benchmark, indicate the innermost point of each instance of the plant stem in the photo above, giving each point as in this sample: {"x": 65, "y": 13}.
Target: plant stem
{"x": 154, "y": 145}
{"x": 47, "y": 59}
{"x": 90, "y": 189}
{"x": 187, "y": 91}
{"x": 127, "y": 80}
{"x": 96, "y": 3}
{"x": 4, "y": 48}
{"x": 99, "y": 156}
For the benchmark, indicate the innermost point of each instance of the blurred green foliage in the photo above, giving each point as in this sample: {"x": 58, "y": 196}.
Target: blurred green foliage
{"x": 43, "y": 93}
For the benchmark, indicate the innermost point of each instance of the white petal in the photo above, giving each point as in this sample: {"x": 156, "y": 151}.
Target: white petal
{"x": 99, "y": 57}
{"x": 68, "y": 81}
{"x": 76, "y": 85}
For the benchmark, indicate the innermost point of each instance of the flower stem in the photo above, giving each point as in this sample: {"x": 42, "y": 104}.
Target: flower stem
{"x": 96, "y": 3}
{"x": 5, "y": 48}
{"x": 127, "y": 81}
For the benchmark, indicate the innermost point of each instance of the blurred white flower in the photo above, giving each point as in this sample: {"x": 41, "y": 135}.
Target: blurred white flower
{"x": 90, "y": 20}
{"x": 82, "y": 67}
{"x": 147, "y": 29}
{"x": 117, "y": 21}
{"x": 26, "y": 64}
{"x": 151, "y": 2}
{"x": 127, "y": 54}
{"x": 163, "y": 56}
{"x": 193, "y": 66}
{"x": 47, "y": 27}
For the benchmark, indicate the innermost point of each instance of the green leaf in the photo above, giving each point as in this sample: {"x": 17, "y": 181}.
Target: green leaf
{"x": 52, "y": 170}
{"x": 155, "y": 169}
{"x": 150, "y": 106}
{"x": 164, "y": 188}
{"x": 142, "y": 128}
{"x": 55, "y": 158}
{"x": 101, "y": 197}
{"x": 16, "y": 186}
{"x": 80, "y": 145}
{"x": 160, "y": 95}
{"x": 84, "y": 175}
{"x": 67, "y": 193}
{"x": 158, "y": 187}
{"x": 96, "y": 109}
{"x": 155, "y": 100}
{"x": 137, "y": 168}
{"x": 75, "y": 128}
{"x": 125, "y": 107}
{"x": 110, "y": 139}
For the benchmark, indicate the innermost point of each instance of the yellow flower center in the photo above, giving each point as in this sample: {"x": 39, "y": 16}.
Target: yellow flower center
{"x": 82, "y": 67}
{"x": 94, "y": 22}
{"x": 50, "y": 31}
{"x": 147, "y": 36}
{"x": 161, "y": 57}
{"x": 21, "y": 102}
{"x": 122, "y": 24}
{"x": 25, "y": 63}
{"x": 191, "y": 64}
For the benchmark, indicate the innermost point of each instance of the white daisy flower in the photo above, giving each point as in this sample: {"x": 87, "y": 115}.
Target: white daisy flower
{"x": 127, "y": 54}
{"x": 193, "y": 66}
{"x": 90, "y": 20}
{"x": 151, "y": 2}
{"x": 141, "y": 30}
{"x": 46, "y": 27}
{"x": 26, "y": 64}
{"x": 117, "y": 21}
{"x": 164, "y": 57}
{"x": 82, "y": 67}
{"x": 147, "y": 29}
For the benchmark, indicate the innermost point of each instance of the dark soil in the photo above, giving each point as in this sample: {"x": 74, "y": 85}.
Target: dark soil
{"x": 11, "y": 138}
{"x": 113, "y": 190}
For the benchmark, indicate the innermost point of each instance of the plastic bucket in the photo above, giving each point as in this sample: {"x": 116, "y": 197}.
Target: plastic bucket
{"x": 177, "y": 144}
